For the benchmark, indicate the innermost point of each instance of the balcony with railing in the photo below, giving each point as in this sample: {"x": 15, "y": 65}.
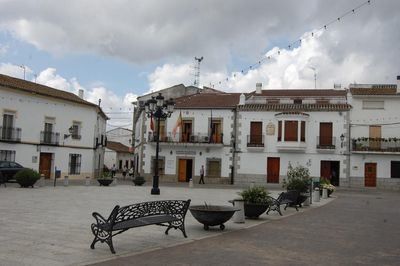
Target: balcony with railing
{"x": 255, "y": 141}
{"x": 187, "y": 138}
{"x": 327, "y": 144}
{"x": 376, "y": 145}
{"x": 49, "y": 138}
{"x": 10, "y": 134}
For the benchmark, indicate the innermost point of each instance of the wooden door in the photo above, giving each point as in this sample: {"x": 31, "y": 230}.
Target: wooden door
{"x": 273, "y": 165}
{"x": 182, "y": 170}
{"x": 216, "y": 132}
{"x": 370, "y": 174}
{"x": 256, "y": 132}
{"x": 186, "y": 131}
{"x": 214, "y": 169}
{"x": 375, "y": 136}
{"x": 325, "y": 134}
{"x": 45, "y": 164}
{"x": 326, "y": 169}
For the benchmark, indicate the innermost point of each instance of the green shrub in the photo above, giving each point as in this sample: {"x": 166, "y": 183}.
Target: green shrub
{"x": 27, "y": 177}
{"x": 256, "y": 194}
{"x": 298, "y": 178}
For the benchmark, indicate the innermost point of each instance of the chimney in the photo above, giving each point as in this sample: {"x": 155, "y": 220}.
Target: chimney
{"x": 258, "y": 88}
{"x": 80, "y": 94}
{"x": 398, "y": 84}
{"x": 242, "y": 99}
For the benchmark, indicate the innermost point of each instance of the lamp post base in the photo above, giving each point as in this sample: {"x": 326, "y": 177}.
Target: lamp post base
{"x": 155, "y": 191}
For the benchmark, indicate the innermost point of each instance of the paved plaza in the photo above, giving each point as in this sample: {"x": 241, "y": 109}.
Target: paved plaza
{"x": 51, "y": 225}
{"x": 358, "y": 228}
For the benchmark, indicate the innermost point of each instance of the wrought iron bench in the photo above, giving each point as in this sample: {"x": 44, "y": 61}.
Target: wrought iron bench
{"x": 169, "y": 213}
{"x": 288, "y": 198}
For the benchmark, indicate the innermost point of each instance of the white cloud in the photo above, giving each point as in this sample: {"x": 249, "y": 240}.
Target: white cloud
{"x": 291, "y": 68}
{"x": 14, "y": 70}
{"x": 169, "y": 75}
{"x": 110, "y": 102}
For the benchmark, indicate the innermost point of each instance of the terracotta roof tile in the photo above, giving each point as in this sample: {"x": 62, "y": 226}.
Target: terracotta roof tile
{"x": 295, "y": 107}
{"x": 208, "y": 100}
{"x": 27, "y": 86}
{"x": 117, "y": 146}
{"x": 301, "y": 93}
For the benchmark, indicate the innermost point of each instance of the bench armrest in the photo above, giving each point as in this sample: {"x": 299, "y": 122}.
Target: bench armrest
{"x": 99, "y": 219}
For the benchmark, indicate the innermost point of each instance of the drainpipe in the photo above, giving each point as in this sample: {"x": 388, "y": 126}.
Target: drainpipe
{"x": 234, "y": 145}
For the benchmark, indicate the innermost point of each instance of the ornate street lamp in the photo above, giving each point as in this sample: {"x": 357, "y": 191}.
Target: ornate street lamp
{"x": 341, "y": 140}
{"x": 158, "y": 108}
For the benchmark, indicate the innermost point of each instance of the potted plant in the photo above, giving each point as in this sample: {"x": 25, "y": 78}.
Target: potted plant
{"x": 256, "y": 201}
{"x": 27, "y": 177}
{"x": 139, "y": 180}
{"x": 298, "y": 178}
{"x": 325, "y": 183}
{"x": 105, "y": 179}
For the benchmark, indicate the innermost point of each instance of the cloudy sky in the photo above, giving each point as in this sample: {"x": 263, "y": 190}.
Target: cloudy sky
{"x": 116, "y": 50}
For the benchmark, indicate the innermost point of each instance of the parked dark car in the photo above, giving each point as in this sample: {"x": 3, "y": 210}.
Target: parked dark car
{"x": 8, "y": 170}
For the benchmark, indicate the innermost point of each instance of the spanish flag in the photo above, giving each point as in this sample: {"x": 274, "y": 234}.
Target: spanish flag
{"x": 151, "y": 123}
{"x": 178, "y": 124}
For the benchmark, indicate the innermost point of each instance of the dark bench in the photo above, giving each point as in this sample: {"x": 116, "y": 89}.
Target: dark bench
{"x": 169, "y": 213}
{"x": 288, "y": 198}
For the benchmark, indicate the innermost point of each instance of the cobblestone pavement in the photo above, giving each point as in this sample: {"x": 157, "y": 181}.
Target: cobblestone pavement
{"x": 358, "y": 228}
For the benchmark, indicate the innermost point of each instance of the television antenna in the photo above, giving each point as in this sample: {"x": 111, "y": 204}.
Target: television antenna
{"x": 197, "y": 71}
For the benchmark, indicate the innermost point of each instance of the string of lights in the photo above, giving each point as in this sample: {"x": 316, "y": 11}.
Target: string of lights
{"x": 293, "y": 44}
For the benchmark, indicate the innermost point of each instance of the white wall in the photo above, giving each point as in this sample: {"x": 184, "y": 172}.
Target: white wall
{"x": 254, "y": 161}
{"x": 200, "y": 126}
{"x": 361, "y": 119}
{"x": 31, "y": 111}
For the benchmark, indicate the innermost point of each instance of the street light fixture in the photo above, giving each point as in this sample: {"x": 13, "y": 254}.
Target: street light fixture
{"x": 160, "y": 109}
{"x": 342, "y": 140}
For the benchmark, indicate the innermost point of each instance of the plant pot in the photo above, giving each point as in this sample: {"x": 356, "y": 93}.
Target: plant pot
{"x": 329, "y": 192}
{"x": 302, "y": 198}
{"x": 105, "y": 182}
{"x": 26, "y": 183}
{"x": 212, "y": 215}
{"x": 139, "y": 180}
{"x": 254, "y": 210}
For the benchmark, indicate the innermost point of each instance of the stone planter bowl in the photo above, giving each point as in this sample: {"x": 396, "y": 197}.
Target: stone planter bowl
{"x": 212, "y": 215}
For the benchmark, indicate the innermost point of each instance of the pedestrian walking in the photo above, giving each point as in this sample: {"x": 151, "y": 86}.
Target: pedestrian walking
{"x": 124, "y": 170}
{"x": 113, "y": 171}
{"x": 201, "y": 181}
{"x": 131, "y": 172}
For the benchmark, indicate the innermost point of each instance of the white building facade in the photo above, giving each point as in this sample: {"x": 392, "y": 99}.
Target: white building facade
{"x": 119, "y": 155}
{"x": 338, "y": 134}
{"x": 297, "y": 127}
{"x": 375, "y": 135}
{"x": 47, "y": 129}
{"x": 204, "y": 137}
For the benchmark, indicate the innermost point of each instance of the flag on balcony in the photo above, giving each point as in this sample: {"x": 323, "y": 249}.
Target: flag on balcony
{"x": 178, "y": 124}
{"x": 151, "y": 123}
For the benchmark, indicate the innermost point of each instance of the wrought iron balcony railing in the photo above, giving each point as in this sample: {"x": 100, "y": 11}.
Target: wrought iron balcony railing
{"x": 391, "y": 144}
{"x": 11, "y": 134}
{"x": 187, "y": 138}
{"x": 49, "y": 138}
{"x": 328, "y": 143}
{"x": 255, "y": 140}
